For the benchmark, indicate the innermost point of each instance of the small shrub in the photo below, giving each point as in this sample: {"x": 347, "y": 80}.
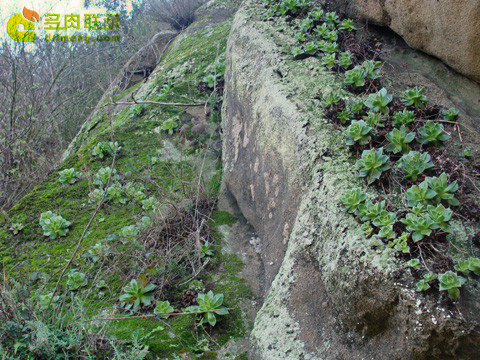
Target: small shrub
{"x": 372, "y": 164}
{"x": 177, "y": 13}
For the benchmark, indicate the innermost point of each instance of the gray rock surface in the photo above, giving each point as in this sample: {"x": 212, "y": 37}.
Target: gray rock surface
{"x": 447, "y": 29}
{"x": 328, "y": 294}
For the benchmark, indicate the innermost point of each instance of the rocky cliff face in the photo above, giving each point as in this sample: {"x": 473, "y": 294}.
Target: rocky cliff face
{"x": 328, "y": 293}
{"x": 448, "y": 29}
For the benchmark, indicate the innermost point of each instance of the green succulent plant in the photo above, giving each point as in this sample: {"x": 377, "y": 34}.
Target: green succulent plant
{"x": 440, "y": 215}
{"x": 443, "y": 190}
{"x": 451, "y": 282}
{"x": 321, "y": 29}
{"x": 116, "y": 195}
{"x": 329, "y": 60}
{"x": 345, "y": 59}
{"x": 344, "y": 116}
{"x": 372, "y": 69}
{"x": 414, "y": 164}
{"x": 379, "y": 102}
{"x": 423, "y": 285}
{"x": 370, "y": 211}
{"x": 387, "y": 232}
{"x": 414, "y": 263}
{"x": 401, "y": 243}
{"x": 331, "y": 99}
{"x": 347, "y": 25}
{"x": 128, "y": 233}
{"x": 68, "y": 176}
{"x": 206, "y": 250}
{"x": 414, "y": 97}
{"x": 372, "y": 164}
{"x": 432, "y": 133}
{"x": 450, "y": 114}
{"x": 310, "y": 48}
{"x": 355, "y": 77}
{"x": 316, "y": 14}
{"x": 385, "y": 218}
{"x": 150, "y": 204}
{"x": 330, "y": 35}
{"x": 330, "y": 47}
{"x": 53, "y": 225}
{"x": 96, "y": 196}
{"x": 300, "y": 36}
{"x": 419, "y": 225}
{"x": 209, "y": 302}
{"x": 374, "y": 119}
{"x": 331, "y": 18}
{"x": 15, "y": 228}
{"x": 136, "y": 294}
{"x": 162, "y": 308}
{"x": 136, "y": 110}
{"x": 399, "y": 140}
{"x": 358, "y": 132}
{"x": 76, "y": 280}
{"x": 403, "y": 118}
{"x": 465, "y": 266}
{"x": 102, "y": 176}
{"x": 352, "y": 199}
{"x": 306, "y": 24}
{"x": 170, "y": 125}
{"x": 105, "y": 148}
{"x": 420, "y": 194}
{"x": 97, "y": 251}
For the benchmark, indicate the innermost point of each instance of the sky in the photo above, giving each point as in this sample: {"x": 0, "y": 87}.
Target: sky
{"x": 62, "y": 7}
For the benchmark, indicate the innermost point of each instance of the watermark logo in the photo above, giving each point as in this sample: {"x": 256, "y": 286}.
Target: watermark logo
{"x": 26, "y": 21}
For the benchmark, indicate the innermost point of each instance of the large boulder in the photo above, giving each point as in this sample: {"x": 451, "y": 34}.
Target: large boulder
{"x": 328, "y": 293}
{"x": 447, "y": 29}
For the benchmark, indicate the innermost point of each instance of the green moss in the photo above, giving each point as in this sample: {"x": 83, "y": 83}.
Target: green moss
{"x": 223, "y": 218}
